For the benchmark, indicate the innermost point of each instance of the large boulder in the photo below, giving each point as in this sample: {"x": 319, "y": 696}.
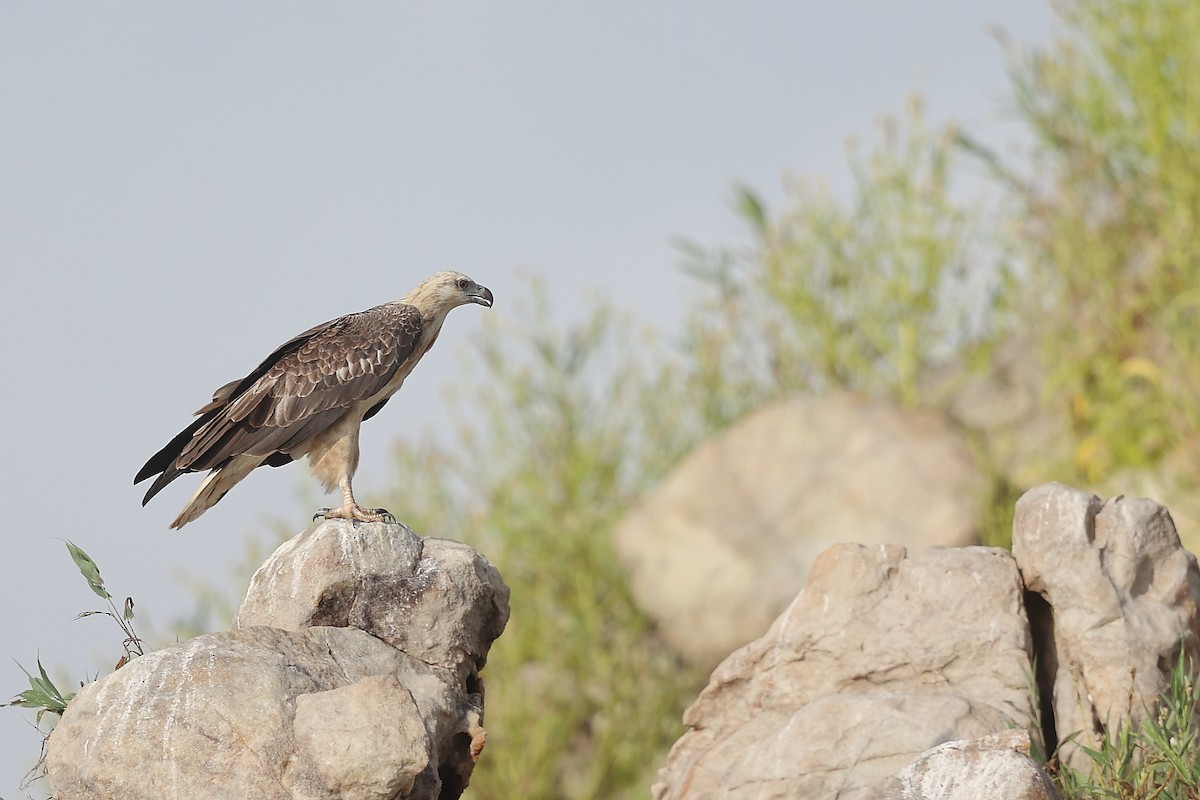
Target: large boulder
{"x": 724, "y": 544}
{"x": 353, "y": 673}
{"x": 436, "y": 600}
{"x": 880, "y": 657}
{"x": 1119, "y": 599}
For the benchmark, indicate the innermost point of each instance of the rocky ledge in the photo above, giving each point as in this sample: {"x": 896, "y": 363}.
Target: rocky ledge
{"x": 352, "y": 672}
{"x": 883, "y": 657}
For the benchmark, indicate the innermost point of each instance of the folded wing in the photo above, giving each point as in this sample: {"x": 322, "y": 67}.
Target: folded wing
{"x": 306, "y": 385}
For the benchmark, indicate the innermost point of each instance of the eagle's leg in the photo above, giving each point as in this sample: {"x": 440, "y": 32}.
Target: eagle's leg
{"x": 334, "y": 458}
{"x": 350, "y": 509}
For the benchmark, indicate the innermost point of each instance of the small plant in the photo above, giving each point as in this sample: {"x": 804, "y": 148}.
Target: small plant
{"x": 1158, "y": 759}
{"x": 133, "y": 644}
{"x": 42, "y": 693}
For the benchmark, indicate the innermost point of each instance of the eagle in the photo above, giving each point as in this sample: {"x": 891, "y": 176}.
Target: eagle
{"x": 309, "y": 398}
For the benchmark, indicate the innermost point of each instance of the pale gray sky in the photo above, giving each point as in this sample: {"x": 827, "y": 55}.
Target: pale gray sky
{"x": 185, "y": 186}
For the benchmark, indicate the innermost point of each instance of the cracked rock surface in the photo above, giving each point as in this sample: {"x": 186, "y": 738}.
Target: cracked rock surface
{"x": 352, "y": 672}
{"x": 878, "y": 658}
{"x": 1120, "y": 598}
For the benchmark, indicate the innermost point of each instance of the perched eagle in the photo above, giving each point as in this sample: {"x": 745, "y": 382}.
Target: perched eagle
{"x": 309, "y": 397}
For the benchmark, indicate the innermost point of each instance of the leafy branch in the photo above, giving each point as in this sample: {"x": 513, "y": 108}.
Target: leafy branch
{"x": 133, "y": 644}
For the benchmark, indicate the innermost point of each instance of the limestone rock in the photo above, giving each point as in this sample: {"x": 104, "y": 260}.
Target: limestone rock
{"x": 351, "y": 751}
{"x": 994, "y": 767}
{"x": 300, "y": 703}
{"x": 395, "y": 587}
{"x": 1170, "y": 483}
{"x": 1121, "y": 595}
{"x": 723, "y": 545}
{"x": 878, "y": 658}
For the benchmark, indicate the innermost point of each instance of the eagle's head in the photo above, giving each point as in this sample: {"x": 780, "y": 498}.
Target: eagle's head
{"x": 445, "y": 290}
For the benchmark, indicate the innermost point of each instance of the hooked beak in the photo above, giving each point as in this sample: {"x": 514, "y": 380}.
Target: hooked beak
{"x": 481, "y": 295}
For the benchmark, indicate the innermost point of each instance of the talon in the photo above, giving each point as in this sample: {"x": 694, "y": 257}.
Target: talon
{"x": 371, "y": 514}
{"x": 384, "y": 515}
{"x": 356, "y": 513}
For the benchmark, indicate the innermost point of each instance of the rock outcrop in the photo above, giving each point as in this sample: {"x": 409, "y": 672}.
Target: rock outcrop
{"x": 882, "y": 656}
{"x": 879, "y": 658}
{"x": 724, "y": 544}
{"x": 1119, "y": 598}
{"x": 353, "y": 673}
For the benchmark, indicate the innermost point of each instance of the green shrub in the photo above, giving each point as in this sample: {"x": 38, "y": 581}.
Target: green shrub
{"x": 866, "y": 295}
{"x": 1108, "y": 224}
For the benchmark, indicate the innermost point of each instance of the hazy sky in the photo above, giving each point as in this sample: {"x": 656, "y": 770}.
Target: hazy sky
{"x": 185, "y": 186}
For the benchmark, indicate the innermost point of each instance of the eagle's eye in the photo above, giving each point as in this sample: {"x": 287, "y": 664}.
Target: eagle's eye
{"x": 463, "y": 283}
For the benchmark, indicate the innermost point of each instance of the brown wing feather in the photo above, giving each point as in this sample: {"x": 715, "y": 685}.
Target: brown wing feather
{"x": 163, "y": 460}
{"x": 303, "y": 387}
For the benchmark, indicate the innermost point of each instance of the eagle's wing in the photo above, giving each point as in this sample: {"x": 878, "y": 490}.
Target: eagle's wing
{"x": 299, "y": 390}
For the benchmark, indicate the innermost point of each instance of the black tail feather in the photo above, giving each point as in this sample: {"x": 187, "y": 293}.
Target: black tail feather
{"x": 168, "y": 475}
{"x": 162, "y": 460}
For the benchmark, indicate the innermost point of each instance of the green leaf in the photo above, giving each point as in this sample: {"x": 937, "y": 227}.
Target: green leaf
{"x": 752, "y": 209}
{"x": 45, "y": 678}
{"x": 88, "y": 569}
{"x": 42, "y": 694}
{"x": 32, "y": 698}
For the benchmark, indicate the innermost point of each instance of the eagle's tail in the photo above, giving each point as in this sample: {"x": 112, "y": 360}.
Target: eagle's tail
{"x": 215, "y": 485}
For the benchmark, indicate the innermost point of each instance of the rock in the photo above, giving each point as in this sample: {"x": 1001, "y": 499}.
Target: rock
{"x": 1170, "y": 482}
{"x": 350, "y": 750}
{"x": 1121, "y": 596}
{"x": 878, "y": 658}
{"x": 396, "y": 588}
{"x": 300, "y": 702}
{"x": 994, "y": 767}
{"x": 724, "y": 544}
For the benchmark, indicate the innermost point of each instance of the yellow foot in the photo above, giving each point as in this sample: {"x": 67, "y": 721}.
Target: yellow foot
{"x": 355, "y": 512}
